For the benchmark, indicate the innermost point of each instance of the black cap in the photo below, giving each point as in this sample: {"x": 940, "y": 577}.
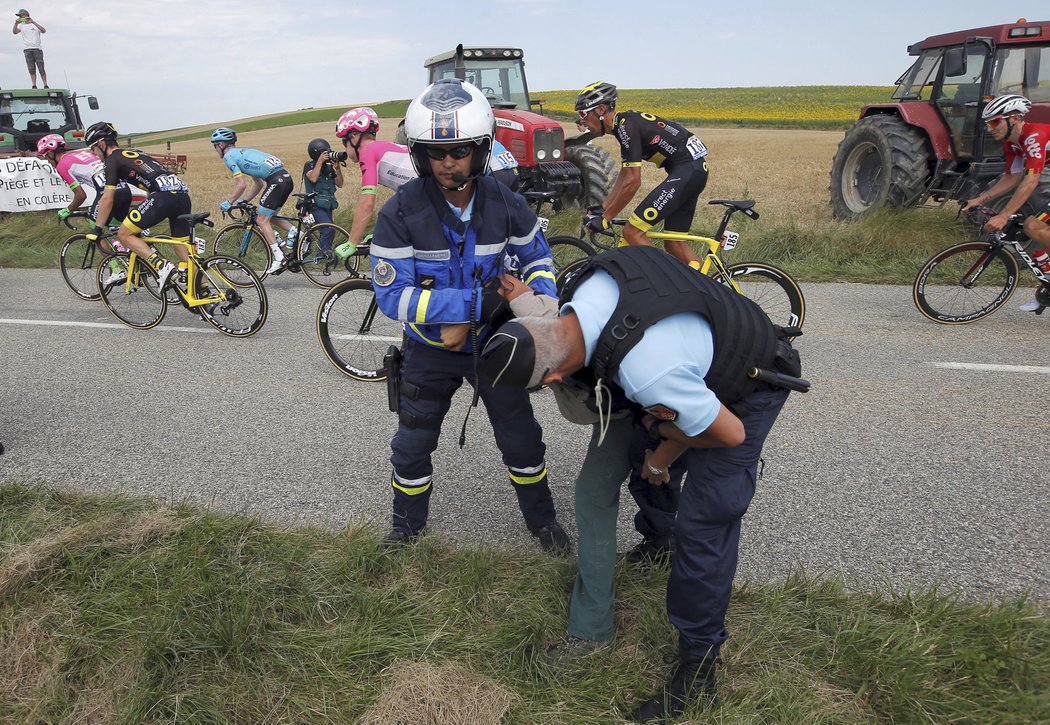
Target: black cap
{"x": 508, "y": 358}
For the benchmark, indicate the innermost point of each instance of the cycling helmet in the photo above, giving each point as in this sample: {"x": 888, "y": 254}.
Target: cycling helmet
{"x": 99, "y": 131}
{"x": 223, "y": 135}
{"x": 357, "y": 120}
{"x": 1005, "y": 105}
{"x": 316, "y": 147}
{"x": 448, "y": 111}
{"x": 596, "y": 94}
{"x": 51, "y": 142}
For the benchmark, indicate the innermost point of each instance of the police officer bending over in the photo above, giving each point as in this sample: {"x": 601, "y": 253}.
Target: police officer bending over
{"x": 681, "y": 346}
{"x": 437, "y": 251}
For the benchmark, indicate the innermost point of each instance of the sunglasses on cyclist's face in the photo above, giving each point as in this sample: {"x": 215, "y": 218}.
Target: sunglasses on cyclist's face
{"x": 586, "y": 112}
{"x": 438, "y": 153}
{"x": 993, "y": 123}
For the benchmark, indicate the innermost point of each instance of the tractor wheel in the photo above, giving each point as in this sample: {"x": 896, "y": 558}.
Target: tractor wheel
{"x": 399, "y": 135}
{"x": 882, "y": 161}
{"x": 597, "y": 172}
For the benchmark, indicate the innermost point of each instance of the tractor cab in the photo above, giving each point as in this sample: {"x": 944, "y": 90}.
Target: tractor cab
{"x": 578, "y": 171}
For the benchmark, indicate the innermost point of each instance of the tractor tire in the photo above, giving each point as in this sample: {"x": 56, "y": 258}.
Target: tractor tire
{"x": 597, "y": 173}
{"x": 882, "y": 161}
{"x": 399, "y": 135}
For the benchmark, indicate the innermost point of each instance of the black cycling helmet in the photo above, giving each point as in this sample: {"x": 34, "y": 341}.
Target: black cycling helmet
{"x": 99, "y": 131}
{"x": 316, "y": 147}
{"x": 596, "y": 94}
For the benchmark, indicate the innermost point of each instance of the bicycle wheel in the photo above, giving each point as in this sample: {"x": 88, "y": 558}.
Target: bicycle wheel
{"x": 246, "y": 244}
{"x": 773, "y": 289}
{"x": 566, "y": 249}
{"x": 243, "y": 306}
{"x": 353, "y": 332}
{"x": 128, "y": 296}
{"x": 565, "y": 272}
{"x": 79, "y": 260}
{"x": 965, "y": 282}
{"x": 316, "y": 257}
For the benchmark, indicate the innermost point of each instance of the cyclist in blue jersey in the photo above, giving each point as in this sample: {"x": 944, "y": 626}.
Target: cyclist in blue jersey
{"x": 269, "y": 176}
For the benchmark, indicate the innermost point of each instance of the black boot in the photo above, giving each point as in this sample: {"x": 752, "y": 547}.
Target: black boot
{"x": 690, "y": 679}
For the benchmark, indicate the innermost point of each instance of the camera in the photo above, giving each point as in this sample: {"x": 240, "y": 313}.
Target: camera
{"x": 338, "y": 157}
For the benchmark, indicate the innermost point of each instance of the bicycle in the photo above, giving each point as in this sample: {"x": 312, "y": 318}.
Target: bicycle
{"x": 969, "y": 281}
{"x": 773, "y": 289}
{"x": 314, "y": 243}
{"x": 224, "y": 291}
{"x": 80, "y": 257}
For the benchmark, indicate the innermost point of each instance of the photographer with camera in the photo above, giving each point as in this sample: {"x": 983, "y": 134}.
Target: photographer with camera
{"x": 382, "y": 162}
{"x": 30, "y": 30}
{"x": 323, "y": 174}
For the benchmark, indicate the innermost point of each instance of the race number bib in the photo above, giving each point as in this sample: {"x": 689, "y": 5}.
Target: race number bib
{"x": 696, "y": 147}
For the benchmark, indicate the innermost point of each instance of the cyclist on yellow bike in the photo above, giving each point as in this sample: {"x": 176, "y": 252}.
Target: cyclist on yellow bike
{"x": 643, "y": 136}
{"x": 168, "y": 197}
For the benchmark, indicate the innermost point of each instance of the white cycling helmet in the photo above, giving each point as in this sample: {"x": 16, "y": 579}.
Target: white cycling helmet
{"x": 1005, "y": 105}
{"x": 357, "y": 120}
{"x": 447, "y": 112}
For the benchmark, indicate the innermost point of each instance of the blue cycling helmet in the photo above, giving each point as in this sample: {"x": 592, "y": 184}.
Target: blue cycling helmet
{"x": 224, "y": 135}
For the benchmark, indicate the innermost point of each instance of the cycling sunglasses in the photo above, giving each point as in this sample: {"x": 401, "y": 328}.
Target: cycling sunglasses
{"x": 583, "y": 114}
{"x": 438, "y": 153}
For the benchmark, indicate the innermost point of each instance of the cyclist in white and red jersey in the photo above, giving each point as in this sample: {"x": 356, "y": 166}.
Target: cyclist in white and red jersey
{"x": 1025, "y": 146}
{"x": 382, "y": 163}
{"x": 79, "y": 169}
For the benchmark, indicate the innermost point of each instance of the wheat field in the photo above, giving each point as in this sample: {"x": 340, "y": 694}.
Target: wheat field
{"x": 785, "y": 170}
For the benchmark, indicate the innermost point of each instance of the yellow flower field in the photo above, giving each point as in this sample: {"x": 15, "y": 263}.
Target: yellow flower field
{"x": 815, "y": 106}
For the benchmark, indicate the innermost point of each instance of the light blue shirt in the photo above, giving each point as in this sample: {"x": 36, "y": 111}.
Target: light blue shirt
{"x": 666, "y": 367}
{"x": 254, "y": 163}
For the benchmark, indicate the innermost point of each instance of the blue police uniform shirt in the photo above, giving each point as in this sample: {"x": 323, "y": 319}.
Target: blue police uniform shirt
{"x": 252, "y": 162}
{"x": 667, "y": 367}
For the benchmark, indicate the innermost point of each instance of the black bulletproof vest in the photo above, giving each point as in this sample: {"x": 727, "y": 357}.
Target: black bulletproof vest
{"x": 653, "y": 285}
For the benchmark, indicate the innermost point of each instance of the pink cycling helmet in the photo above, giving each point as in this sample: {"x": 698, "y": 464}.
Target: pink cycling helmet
{"x": 357, "y": 120}
{"x": 51, "y": 142}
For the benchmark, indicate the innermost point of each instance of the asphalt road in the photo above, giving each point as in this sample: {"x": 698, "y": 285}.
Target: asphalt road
{"x": 893, "y": 471}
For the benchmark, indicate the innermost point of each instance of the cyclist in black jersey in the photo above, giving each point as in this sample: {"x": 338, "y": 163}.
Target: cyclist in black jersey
{"x": 643, "y": 136}
{"x": 168, "y": 197}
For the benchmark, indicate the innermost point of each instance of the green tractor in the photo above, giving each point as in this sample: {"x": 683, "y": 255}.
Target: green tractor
{"x": 29, "y": 114}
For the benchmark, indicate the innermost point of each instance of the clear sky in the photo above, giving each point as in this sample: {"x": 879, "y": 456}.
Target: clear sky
{"x": 159, "y": 64}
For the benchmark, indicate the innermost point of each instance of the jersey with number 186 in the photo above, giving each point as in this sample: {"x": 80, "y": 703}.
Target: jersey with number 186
{"x": 141, "y": 170}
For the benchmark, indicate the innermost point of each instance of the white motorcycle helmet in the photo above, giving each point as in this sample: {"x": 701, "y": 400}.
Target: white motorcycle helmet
{"x": 448, "y": 111}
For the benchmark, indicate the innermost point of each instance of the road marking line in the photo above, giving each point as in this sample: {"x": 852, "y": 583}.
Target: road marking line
{"x": 109, "y": 325}
{"x": 992, "y": 368}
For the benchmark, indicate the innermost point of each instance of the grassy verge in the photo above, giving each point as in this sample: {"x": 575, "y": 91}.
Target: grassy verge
{"x": 119, "y": 610}
{"x": 881, "y": 248}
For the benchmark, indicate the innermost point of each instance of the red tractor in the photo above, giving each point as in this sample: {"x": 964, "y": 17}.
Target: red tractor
{"x": 930, "y": 144}
{"x": 580, "y": 172}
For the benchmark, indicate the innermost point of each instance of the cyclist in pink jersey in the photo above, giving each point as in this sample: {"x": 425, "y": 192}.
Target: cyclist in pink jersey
{"x": 79, "y": 169}
{"x": 1025, "y": 146}
{"x": 382, "y": 163}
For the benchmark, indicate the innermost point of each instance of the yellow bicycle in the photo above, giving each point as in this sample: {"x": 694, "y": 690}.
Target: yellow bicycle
{"x": 773, "y": 289}
{"x": 224, "y": 291}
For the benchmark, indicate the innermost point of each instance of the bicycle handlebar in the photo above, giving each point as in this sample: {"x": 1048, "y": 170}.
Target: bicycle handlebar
{"x": 75, "y": 215}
